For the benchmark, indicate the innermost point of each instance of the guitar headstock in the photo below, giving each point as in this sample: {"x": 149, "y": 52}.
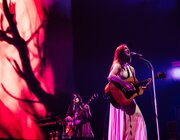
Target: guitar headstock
{"x": 161, "y": 75}
{"x": 94, "y": 96}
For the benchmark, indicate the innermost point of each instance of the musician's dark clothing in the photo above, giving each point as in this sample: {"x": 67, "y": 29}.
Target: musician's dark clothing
{"x": 83, "y": 130}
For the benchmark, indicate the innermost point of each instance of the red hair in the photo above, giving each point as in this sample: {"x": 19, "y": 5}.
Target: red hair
{"x": 118, "y": 50}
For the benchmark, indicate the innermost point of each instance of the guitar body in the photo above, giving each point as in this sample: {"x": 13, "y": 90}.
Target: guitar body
{"x": 71, "y": 128}
{"x": 119, "y": 96}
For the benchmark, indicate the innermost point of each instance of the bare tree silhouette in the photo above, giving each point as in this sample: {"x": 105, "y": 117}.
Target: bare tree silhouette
{"x": 21, "y": 45}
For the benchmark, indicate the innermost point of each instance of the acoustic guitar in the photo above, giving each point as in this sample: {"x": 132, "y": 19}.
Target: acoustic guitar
{"x": 120, "y": 96}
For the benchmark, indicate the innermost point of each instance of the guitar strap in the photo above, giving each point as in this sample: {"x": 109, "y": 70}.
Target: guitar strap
{"x": 128, "y": 71}
{"x": 133, "y": 75}
{"x": 132, "y": 72}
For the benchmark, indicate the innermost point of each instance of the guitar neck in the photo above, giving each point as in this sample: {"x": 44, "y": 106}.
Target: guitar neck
{"x": 158, "y": 76}
{"x": 88, "y": 103}
{"x": 141, "y": 83}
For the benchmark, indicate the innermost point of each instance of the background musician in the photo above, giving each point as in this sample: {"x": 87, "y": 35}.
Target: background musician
{"x": 78, "y": 119}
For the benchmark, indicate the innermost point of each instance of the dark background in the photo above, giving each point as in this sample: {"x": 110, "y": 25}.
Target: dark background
{"x": 81, "y": 38}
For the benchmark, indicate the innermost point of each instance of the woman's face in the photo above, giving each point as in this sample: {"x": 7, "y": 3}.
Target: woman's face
{"x": 76, "y": 100}
{"x": 127, "y": 51}
{"x": 125, "y": 56}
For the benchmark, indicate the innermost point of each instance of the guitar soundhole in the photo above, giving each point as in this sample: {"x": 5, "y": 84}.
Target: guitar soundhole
{"x": 128, "y": 94}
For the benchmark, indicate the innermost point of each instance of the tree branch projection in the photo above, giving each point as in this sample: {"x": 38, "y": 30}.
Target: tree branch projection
{"x": 13, "y": 37}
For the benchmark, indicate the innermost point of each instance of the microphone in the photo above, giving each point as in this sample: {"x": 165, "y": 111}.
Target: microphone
{"x": 136, "y": 54}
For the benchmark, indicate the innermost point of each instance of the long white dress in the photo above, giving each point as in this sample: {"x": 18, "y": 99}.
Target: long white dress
{"x": 127, "y": 122}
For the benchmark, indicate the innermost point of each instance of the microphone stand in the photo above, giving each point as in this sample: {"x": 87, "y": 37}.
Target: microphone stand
{"x": 154, "y": 91}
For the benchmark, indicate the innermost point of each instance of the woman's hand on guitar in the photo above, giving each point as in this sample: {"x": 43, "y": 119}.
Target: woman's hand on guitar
{"x": 68, "y": 119}
{"x": 77, "y": 122}
{"x": 86, "y": 107}
{"x": 129, "y": 87}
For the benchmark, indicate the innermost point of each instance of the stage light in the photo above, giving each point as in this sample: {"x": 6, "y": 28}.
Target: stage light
{"x": 175, "y": 73}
